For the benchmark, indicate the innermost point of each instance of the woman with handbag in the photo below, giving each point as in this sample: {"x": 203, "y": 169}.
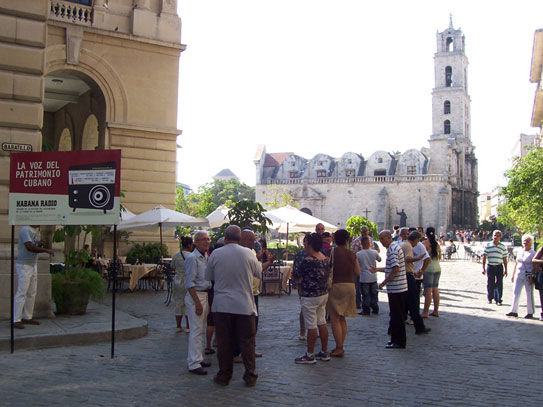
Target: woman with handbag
{"x": 524, "y": 279}
{"x": 342, "y": 294}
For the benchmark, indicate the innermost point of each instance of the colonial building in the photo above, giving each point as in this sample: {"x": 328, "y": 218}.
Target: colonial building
{"x": 434, "y": 186}
{"x": 92, "y": 74}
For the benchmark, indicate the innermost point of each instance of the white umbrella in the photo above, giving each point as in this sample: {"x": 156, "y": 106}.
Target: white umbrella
{"x": 289, "y": 219}
{"x": 126, "y": 214}
{"x": 218, "y": 217}
{"x": 161, "y": 218}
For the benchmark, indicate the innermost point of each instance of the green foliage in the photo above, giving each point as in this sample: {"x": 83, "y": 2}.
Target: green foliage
{"x": 277, "y": 197}
{"x": 210, "y": 196}
{"x": 524, "y": 192}
{"x": 146, "y": 253}
{"x": 246, "y": 214}
{"x": 75, "y": 271}
{"x": 356, "y": 223}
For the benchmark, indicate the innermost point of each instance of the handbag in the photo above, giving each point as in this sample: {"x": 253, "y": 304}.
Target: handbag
{"x": 535, "y": 280}
{"x": 331, "y": 276}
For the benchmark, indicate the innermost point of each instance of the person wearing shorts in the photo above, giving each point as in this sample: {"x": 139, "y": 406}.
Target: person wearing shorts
{"x": 312, "y": 276}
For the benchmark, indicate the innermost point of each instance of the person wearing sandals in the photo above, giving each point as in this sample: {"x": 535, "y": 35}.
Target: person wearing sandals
{"x": 179, "y": 291}
{"x": 431, "y": 275}
{"x": 312, "y": 276}
{"x": 341, "y": 297}
{"x": 524, "y": 279}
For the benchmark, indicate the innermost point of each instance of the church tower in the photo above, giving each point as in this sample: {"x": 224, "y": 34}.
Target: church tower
{"x": 452, "y": 152}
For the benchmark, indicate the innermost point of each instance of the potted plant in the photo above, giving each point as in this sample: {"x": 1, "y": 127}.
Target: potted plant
{"x": 72, "y": 288}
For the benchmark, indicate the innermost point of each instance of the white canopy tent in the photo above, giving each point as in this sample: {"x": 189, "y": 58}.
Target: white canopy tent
{"x": 218, "y": 217}
{"x": 288, "y": 219}
{"x": 161, "y": 218}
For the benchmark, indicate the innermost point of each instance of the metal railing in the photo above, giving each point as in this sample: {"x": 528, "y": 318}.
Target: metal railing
{"x": 71, "y": 12}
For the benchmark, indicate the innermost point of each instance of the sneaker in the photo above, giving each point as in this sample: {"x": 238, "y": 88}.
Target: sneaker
{"x": 324, "y": 356}
{"x": 306, "y": 359}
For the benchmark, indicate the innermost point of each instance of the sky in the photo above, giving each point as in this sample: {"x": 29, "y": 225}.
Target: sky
{"x": 333, "y": 76}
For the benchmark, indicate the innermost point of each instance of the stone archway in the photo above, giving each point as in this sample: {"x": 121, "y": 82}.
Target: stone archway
{"x": 73, "y": 103}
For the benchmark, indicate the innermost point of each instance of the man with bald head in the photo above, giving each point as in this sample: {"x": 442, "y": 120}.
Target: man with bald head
{"x": 396, "y": 283}
{"x": 233, "y": 268}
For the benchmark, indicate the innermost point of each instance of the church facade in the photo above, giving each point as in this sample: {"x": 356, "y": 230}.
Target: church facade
{"x": 434, "y": 186}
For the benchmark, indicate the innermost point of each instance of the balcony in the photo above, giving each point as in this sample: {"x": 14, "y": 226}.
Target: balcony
{"x": 381, "y": 179}
{"x": 69, "y": 12}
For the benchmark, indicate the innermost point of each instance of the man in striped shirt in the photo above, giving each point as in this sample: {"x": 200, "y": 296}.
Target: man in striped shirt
{"x": 495, "y": 267}
{"x": 396, "y": 283}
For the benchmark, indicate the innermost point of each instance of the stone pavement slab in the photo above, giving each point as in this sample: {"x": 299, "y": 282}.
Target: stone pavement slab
{"x": 66, "y": 330}
{"x": 474, "y": 356}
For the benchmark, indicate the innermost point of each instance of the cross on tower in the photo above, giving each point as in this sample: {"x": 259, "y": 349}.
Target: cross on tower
{"x": 366, "y": 211}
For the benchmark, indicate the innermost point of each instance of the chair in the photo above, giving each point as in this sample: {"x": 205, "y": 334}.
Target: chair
{"x": 272, "y": 275}
{"x": 120, "y": 277}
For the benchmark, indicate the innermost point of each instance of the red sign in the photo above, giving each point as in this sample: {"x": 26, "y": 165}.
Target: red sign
{"x": 56, "y": 188}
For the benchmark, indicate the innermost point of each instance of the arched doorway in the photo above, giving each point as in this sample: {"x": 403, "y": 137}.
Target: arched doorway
{"x": 307, "y": 210}
{"x": 74, "y": 112}
{"x": 74, "y": 119}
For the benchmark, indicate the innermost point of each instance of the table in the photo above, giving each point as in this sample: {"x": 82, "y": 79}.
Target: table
{"x": 137, "y": 272}
{"x": 273, "y": 288}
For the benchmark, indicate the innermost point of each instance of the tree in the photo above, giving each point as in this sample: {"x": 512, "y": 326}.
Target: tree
{"x": 524, "y": 192}
{"x": 210, "y": 196}
{"x": 248, "y": 214}
{"x": 356, "y": 223}
{"x": 278, "y": 197}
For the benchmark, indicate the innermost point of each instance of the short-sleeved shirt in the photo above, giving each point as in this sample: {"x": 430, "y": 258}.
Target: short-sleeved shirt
{"x": 495, "y": 254}
{"x": 408, "y": 252}
{"x": 418, "y": 250}
{"x": 25, "y": 256}
{"x": 367, "y": 258}
{"x": 314, "y": 274}
{"x": 524, "y": 260}
{"x": 195, "y": 267}
{"x": 395, "y": 258}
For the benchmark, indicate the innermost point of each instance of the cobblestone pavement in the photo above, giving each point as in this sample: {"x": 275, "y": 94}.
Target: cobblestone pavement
{"x": 474, "y": 356}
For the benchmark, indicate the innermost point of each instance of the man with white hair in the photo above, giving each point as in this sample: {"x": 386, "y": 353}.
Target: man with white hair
{"x": 196, "y": 302}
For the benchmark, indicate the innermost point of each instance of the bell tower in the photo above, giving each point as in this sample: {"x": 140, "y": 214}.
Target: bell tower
{"x": 450, "y": 143}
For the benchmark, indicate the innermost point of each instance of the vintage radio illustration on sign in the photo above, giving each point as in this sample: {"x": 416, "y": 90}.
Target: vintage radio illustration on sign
{"x": 92, "y": 186}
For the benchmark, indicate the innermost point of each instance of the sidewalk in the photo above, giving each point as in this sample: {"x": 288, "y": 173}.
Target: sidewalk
{"x": 93, "y": 327}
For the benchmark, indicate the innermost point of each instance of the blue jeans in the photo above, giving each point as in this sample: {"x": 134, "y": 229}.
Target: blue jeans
{"x": 369, "y": 297}
{"x": 494, "y": 284}
{"x": 357, "y": 286}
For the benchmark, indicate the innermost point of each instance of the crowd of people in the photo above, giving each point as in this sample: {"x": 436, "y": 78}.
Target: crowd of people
{"x": 336, "y": 278}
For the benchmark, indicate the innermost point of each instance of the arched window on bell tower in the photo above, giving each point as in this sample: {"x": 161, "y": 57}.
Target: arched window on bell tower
{"x": 448, "y": 77}
{"x": 447, "y": 127}
{"x": 447, "y": 107}
{"x": 449, "y": 44}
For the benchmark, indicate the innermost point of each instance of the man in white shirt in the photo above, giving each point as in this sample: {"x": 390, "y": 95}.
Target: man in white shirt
{"x": 233, "y": 269}
{"x": 196, "y": 302}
